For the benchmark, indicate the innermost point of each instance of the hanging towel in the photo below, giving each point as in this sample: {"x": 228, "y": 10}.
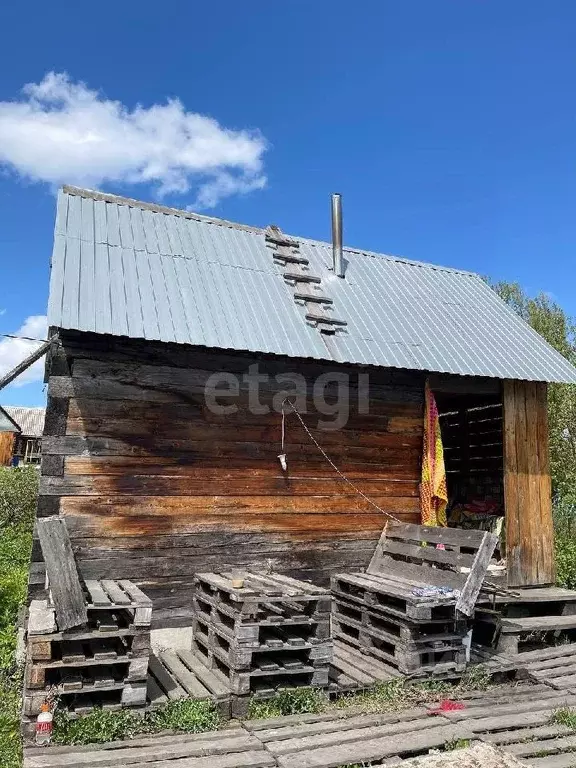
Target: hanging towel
{"x": 433, "y": 492}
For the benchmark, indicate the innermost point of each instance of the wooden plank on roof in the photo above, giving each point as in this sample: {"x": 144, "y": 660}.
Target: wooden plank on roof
{"x": 61, "y": 569}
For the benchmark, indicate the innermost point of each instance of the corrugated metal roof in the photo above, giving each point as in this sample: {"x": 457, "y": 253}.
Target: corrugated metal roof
{"x": 135, "y": 269}
{"x": 30, "y": 420}
{"x": 6, "y": 423}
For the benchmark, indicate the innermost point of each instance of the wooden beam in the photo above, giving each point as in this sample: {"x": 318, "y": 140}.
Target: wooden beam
{"x": 61, "y": 570}
{"x": 27, "y": 362}
{"x": 527, "y": 489}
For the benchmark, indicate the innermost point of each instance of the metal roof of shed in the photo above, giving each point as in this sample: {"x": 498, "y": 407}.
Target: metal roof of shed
{"x": 127, "y": 268}
{"x": 30, "y": 420}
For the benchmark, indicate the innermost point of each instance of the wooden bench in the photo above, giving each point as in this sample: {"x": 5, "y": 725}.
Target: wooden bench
{"x": 422, "y": 557}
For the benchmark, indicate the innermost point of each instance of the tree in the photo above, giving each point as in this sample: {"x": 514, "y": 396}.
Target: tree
{"x": 559, "y": 330}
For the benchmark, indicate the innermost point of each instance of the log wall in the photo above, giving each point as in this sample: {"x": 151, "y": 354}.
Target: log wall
{"x": 155, "y": 486}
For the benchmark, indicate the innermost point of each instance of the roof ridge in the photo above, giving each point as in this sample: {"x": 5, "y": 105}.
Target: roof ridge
{"x": 108, "y": 197}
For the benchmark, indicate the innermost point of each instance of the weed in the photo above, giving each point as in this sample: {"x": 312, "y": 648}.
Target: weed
{"x": 565, "y": 716}
{"x": 100, "y": 726}
{"x": 456, "y": 744}
{"x": 191, "y": 715}
{"x": 298, "y": 701}
{"x": 97, "y": 727}
{"x": 476, "y": 678}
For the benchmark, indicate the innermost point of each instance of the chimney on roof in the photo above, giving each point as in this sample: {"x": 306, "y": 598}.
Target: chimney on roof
{"x": 337, "y": 235}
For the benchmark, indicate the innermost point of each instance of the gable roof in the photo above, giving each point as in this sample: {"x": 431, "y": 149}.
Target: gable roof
{"x": 30, "y": 420}
{"x": 7, "y": 424}
{"x": 127, "y": 268}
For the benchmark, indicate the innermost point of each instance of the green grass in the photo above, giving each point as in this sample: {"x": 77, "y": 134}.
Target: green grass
{"x": 18, "y": 490}
{"x": 101, "y": 726}
{"x": 565, "y": 716}
{"x": 456, "y": 744}
{"x": 10, "y": 745}
{"x": 295, "y": 702}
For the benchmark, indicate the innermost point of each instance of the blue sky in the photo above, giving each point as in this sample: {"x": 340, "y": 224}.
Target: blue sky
{"x": 448, "y": 126}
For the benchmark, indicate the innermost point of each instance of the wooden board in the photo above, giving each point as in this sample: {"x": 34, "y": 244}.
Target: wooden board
{"x": 529, "y": 533}
{"x": 65, "y": 585}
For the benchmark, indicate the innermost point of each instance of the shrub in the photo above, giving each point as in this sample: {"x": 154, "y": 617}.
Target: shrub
{"x": 18, "y": 494}
{"x": 565, "y": 541}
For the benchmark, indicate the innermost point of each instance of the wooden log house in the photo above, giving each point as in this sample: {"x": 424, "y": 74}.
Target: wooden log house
{"x": 162, "y": 314}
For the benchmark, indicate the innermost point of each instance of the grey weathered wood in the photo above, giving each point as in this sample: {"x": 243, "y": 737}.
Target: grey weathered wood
{"x": 372, "y": 749}
{"x": 97, "y": 594}
{"x": 154, "y": 693}
{"x": 543, "y": 745}
{"x": 138, "y": 597}
{"x": 526, "y": 734}
{"x": 166, "y": 681}
{"x": 61, "y": 569}
{"x": 117, "y": 596}
{"x": 565, "y": 760}
{"x": 134, "y": 694}
{"x": 361, "y": 732}
{"x": 469, "y": 594}
{"x": 185, "y": 678}
{"x": 554, "y": 699}
{"x": 537, "y": 623}
{"x": 41, "y": 619}
{"x": 206, "y": 676}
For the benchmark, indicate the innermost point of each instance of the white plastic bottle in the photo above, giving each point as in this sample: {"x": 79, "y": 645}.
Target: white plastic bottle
{"x": 44, "y": 726}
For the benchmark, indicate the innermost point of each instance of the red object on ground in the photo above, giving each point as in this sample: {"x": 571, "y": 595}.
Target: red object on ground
{"x": 447, "y": 705}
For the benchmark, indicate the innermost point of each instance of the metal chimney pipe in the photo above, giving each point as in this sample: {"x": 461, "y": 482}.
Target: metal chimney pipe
{"x": 337, "y": 235}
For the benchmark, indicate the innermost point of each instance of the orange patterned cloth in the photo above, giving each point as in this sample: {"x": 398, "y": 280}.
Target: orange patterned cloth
{"x": 433, "y": 491}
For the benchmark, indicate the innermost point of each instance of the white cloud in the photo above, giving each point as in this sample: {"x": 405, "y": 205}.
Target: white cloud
{"x": 60, "y": 131}
{"x": 13, "y": 351}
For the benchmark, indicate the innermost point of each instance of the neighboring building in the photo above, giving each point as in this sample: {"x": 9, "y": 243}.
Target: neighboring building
{"x": 9, "y": 430}
{"x": 155, "y": 483}
{"x": 28, "y": 442}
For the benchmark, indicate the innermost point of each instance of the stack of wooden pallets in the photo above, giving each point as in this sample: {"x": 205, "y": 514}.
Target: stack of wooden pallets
{"x": 103, "y": 662}
{"x": 535, "y": 626}
{"x": 271, "y": 633}
{"x": 414, "y": 635}
{"x": 412, "y": 608}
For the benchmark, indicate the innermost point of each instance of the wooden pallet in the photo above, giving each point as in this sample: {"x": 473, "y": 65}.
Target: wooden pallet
{"x": 554, "y": 666}
{"x": 178, "y": 674}
{"x": 523, "y": 603}
{"x": 277, "y": 644}
{"x": 265, "y": 596}
{"x": 268, "y": 673}
{"x": 265, "y": 623}
{"x": 513, "y": 636}
{"x": 396, "y": 598}
{"x": 445, "y": 655}
{"x": 405, "y": 631}
{"x": 104, "y": 661}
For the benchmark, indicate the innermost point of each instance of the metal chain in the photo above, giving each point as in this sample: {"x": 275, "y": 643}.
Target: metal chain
{"x": 328, "y": 459}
